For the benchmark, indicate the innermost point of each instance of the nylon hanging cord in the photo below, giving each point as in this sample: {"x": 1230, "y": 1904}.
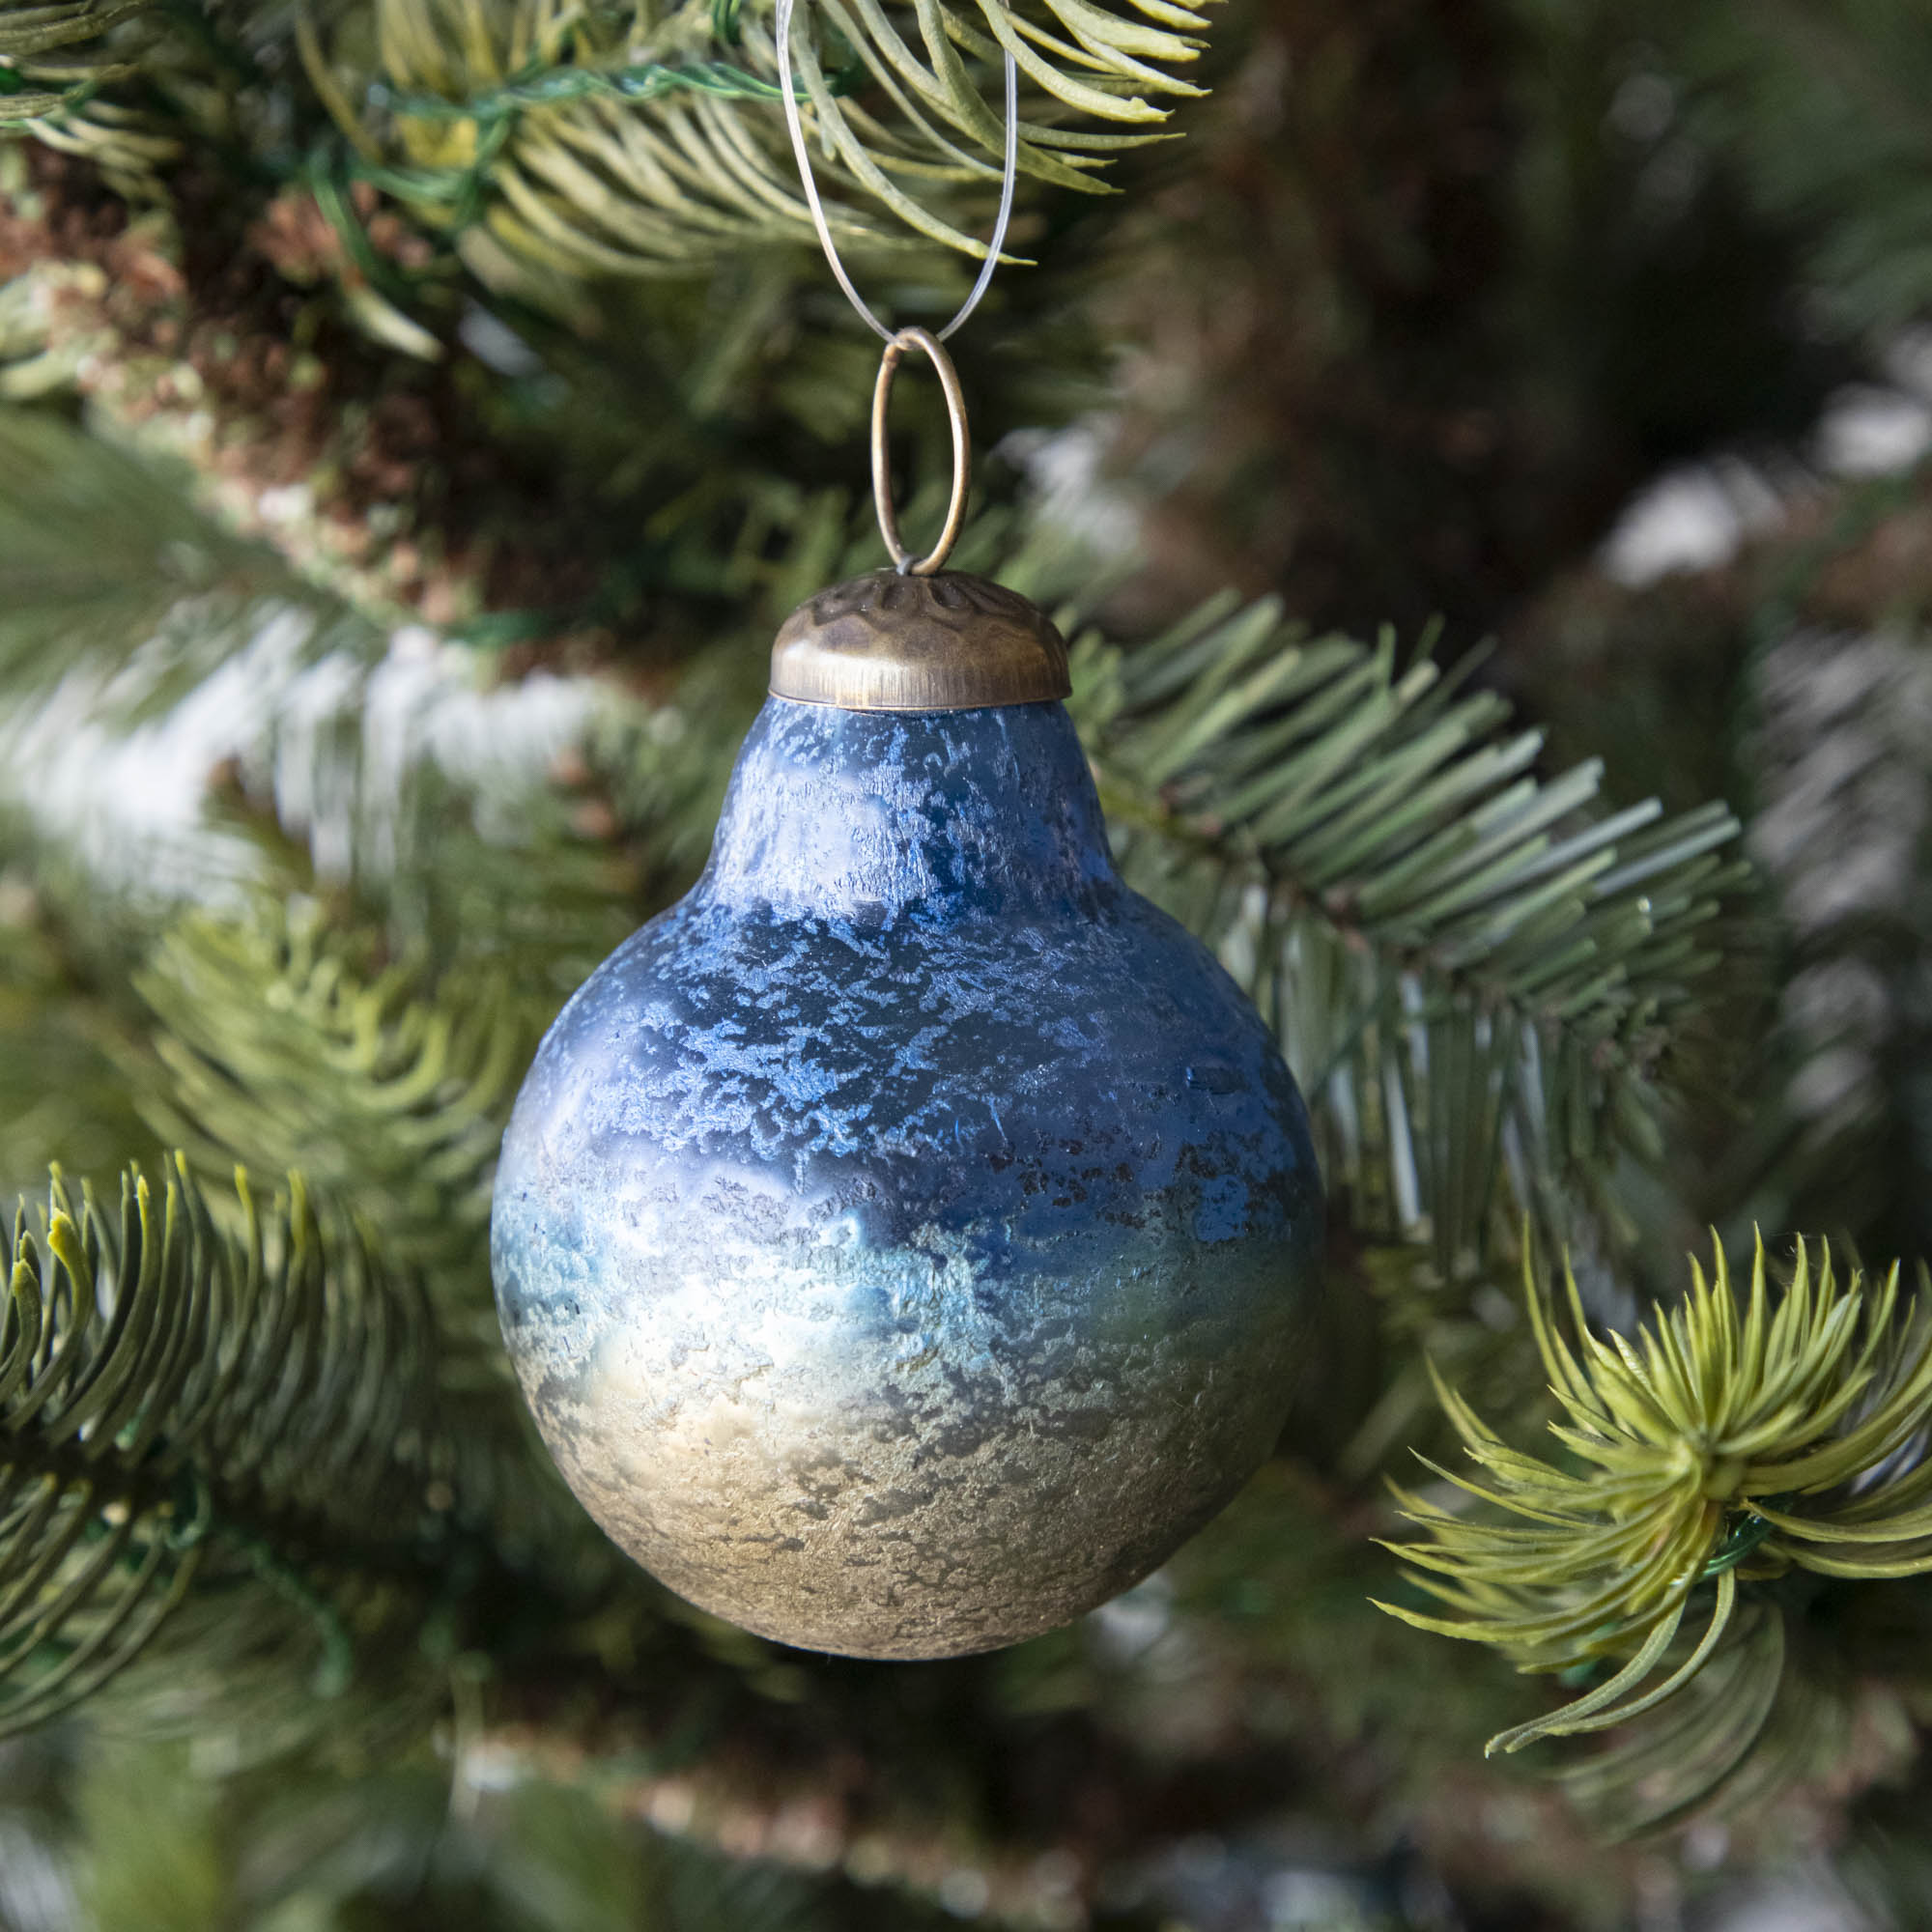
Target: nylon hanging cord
{"x": 790, "y": 94}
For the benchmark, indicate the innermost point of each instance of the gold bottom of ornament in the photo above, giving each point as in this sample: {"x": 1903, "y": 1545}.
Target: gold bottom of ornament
{"x": 887, "y": 1509}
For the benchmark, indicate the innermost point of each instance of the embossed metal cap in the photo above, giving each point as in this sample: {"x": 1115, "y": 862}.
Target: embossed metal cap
{"x": 945, "y": 643}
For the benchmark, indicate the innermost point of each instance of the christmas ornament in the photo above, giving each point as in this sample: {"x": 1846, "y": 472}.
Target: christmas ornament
{"x": 903, "y": 1242}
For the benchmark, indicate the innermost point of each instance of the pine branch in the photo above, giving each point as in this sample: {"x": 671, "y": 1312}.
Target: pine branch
{"x": 787, "y": 1813}
{"x": 250, "y": 1416}
{"x": 422, "y": 800}
{"x": 1815, "y": 1118}
{"x": 103, "y": 561}
{"x": 300, "y": 1048}
{"x": 28, "y": 30}
{"x": 552, "y": 147}
{"x": 73, "y": 78}
{"x": 616, "y": 497}
{"x": 49, "y": 73}
{"x": 1730, "y": 1442}
{"x": 165, "y": 1848}
{"x": 1469, "y": 967}
{"x": 652, "y": 147}
{"x": 104, "y": 551}
{"x": 1776, "y": 1709}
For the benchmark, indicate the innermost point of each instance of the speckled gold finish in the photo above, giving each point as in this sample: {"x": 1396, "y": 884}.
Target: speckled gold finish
{"x": 945, "y": 643}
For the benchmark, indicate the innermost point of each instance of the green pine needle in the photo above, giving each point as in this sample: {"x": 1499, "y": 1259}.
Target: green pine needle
{"x": 1458, "y": 957}
{"x": 239, "y": 1416}
{"x": 296, "y": 1045}
{"x": 1731, "y": 1441}
{"x": 583, "y": 144}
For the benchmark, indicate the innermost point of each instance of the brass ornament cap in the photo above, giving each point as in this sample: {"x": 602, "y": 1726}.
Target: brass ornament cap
{"x": 943, "y": 642}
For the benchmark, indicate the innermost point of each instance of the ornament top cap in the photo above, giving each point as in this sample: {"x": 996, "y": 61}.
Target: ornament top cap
{"x": 945, "y": 643}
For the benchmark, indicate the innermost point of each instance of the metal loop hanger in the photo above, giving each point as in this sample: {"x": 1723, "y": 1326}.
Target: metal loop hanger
{"x": 898, "y": 341}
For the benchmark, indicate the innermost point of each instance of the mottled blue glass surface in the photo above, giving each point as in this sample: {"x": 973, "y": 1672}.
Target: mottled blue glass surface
{"x": 904, "y": 1240}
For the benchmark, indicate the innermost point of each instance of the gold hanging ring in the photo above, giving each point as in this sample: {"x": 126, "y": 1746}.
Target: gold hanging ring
{"x": 897, "y": 346}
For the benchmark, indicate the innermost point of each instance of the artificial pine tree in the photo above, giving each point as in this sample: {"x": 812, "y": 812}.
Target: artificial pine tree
{"x": 414, "y": 420}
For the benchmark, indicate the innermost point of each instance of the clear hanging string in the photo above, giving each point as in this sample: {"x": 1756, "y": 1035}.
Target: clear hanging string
{"x": 788, "y": 94}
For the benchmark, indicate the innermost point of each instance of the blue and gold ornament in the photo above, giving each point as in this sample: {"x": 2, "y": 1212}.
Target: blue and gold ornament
{"x": 903, "y": 1242}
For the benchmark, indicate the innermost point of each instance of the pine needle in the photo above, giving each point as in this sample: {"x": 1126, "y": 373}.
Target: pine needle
{"x": 1729, "y": 1440}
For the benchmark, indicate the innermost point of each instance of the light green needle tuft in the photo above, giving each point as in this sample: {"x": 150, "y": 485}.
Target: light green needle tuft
{"x": 1731, "y": 1439}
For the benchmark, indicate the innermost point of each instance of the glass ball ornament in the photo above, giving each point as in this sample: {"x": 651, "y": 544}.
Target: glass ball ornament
{"x": 904, "y": 1242}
